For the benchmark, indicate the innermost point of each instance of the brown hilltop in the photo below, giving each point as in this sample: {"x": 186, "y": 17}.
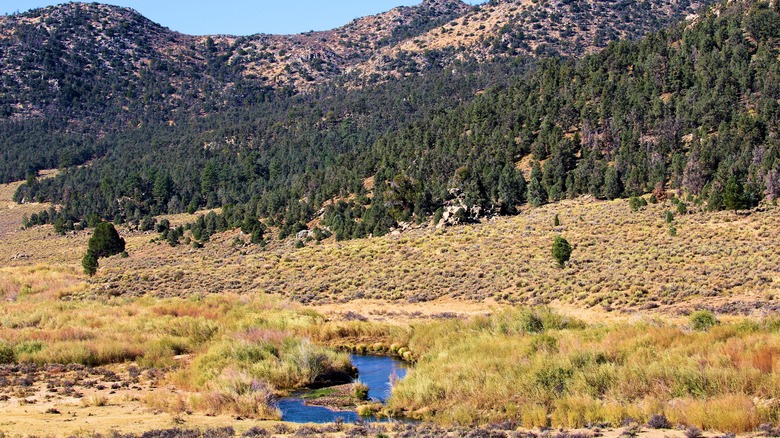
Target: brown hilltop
{"x": 55, "y": 56}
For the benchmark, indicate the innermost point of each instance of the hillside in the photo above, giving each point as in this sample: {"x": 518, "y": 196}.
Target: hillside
{"x": 83, "y": 59}
{"x": 394, "y": 208}
{"x": 192, "y": 329}
{"x": 77, "y": 74}
{"x": 692, "y": 108}
{"x": 508, "y": 28}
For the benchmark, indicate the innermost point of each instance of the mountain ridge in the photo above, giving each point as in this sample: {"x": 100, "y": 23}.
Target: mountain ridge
{"x": 103, "y": 49}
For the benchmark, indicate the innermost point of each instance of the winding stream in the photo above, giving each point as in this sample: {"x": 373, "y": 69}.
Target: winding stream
{"x": 374, "y": 371}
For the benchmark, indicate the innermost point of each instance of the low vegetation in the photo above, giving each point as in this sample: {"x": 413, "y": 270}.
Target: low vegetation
{"x": 621, "y": 260}
{"x": 229, "y": 354}
{"x": 538, "y": 368}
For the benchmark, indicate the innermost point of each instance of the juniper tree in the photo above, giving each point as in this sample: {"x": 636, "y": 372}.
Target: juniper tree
{"x": 89, "y": 263}
{"x": 561, "y": 250}
{"x": 105, "y": 242}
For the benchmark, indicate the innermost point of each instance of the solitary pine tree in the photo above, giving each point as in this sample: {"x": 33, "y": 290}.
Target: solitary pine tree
{"x": 561, "y": 250}
{"x": 105, "y": 242}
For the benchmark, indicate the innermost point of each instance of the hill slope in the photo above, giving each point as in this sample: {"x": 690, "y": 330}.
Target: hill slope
{"x": 693, "y": 108}
{"x": 506, "y": 28}
{"x": 84, "y": 59}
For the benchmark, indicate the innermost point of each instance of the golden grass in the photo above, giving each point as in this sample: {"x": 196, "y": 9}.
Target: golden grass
{"x": 622, "y": 260}
{"x": 573, "y": 375}
{"x": 231, "y": 353}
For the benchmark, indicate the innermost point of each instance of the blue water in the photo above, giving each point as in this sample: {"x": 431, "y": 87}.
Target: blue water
{"x": 376, "y": 372}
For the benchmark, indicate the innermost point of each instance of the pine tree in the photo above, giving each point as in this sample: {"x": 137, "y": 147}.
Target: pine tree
{"x": 612, "y": 186}
{"x": 105, "y": 242}
{"x": 163, "y": 185}
{"x": 734, "y": 195}
{"x": 537, "y": 195}
{"x": 89, "y": 263}
{"x": 511, "y": 189}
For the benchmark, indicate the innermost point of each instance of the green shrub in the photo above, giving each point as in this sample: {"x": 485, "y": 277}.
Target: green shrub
{"x": 703, "y": 320}
{"x": 7, "y": 354}
{"x": 637, "y": 203}
{"x": 530, "y": 322}
{"x": 28, "y": 347}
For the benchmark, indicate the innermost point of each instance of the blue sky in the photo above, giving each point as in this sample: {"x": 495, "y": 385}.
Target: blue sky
{"x": 241, "y": 17}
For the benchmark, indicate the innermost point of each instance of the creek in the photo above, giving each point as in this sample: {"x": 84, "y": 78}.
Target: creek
{"x": 376, "y": 372}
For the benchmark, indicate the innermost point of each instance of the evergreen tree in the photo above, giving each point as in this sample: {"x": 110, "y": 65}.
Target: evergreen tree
{"x": 734, "y": 195}
{"x": 561, "y": 250}
{"x": 105, "y": 242}
{"x": 89, "y": 263}
{"x": 163, "y": 185}
{"x": 612, "y": 186}
{"x": 537, "y": 195}
{"x": 511, "y": 189}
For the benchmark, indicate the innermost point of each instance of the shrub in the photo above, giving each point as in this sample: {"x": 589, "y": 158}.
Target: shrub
{"x": 561, "y": 250}
{"x": 148, "y": 223}
{"x": 658, "y": 421}
{"x": 530, "y": 322}
{"x": 703, "y": 320}
{"x": 637, "y": 203}
{"x": 653, "y": 199}
{"x": 163, "y": 226}
{"x": 360, "y": 390}
{"x": 6, "y": 353}
{"x": 693, "y": 432}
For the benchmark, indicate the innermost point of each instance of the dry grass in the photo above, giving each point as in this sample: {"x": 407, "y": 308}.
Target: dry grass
{"x": 622, "y": 260}
{"x": 572, "y": 376}
{"x": 206, "y": 318}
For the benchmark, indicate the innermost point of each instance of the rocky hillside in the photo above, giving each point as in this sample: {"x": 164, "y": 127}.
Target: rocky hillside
{"x": 307, "y": 59}
{"x": 112, "y": 62}
{"x": 505, "y": 28}
{"x": 78, "y": 57}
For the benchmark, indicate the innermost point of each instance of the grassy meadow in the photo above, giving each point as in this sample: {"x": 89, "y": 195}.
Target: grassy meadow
{"x": 497, "y": 333}
{"x": 227, "y": 353}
